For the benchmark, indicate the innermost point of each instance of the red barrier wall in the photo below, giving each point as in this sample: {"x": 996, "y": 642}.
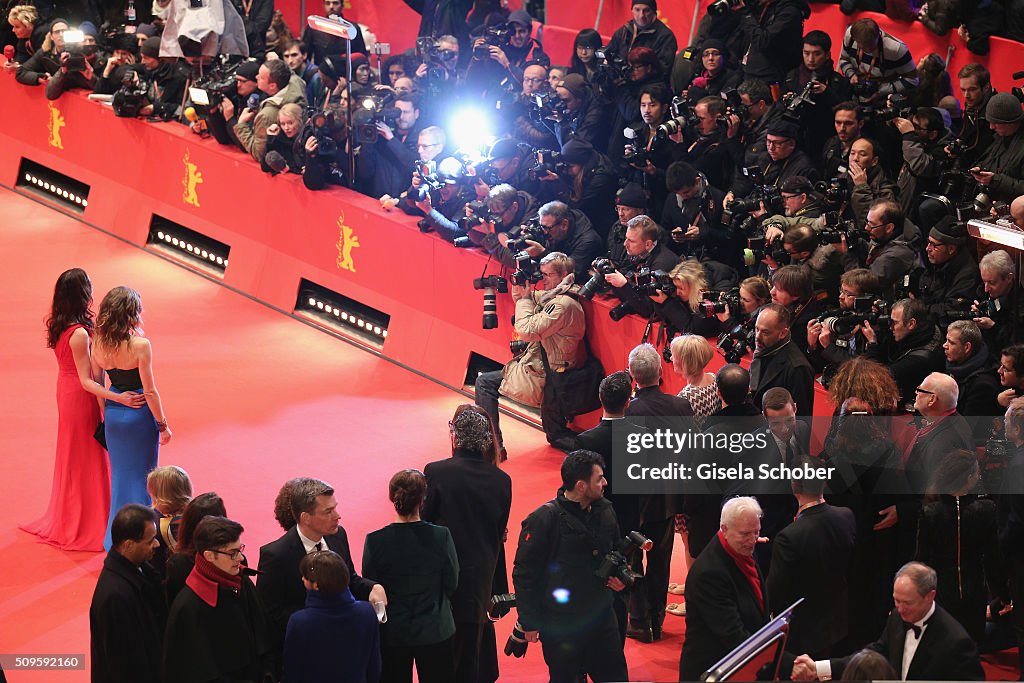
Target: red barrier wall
{"x": 280, "y": 233}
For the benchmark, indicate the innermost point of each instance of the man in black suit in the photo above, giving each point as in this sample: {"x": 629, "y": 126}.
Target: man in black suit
{"x": 280, "y": 584}
{"x": 921, "y": 640}
{"x": 472, "y": 497}
{"x": 810, "y": 558}
{"x": 657, "y": 511}
{"x": 778, "y": 362}
{"x": 725, "y": 593}
{"x": 945, "y": 430}
{"x": 128, "y": 612}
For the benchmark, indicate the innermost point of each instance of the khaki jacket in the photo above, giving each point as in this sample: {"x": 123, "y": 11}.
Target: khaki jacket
{"x": 254, "y": 136}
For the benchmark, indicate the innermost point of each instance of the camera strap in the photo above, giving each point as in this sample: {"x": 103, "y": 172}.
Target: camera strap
{"x": 574, "y": 523}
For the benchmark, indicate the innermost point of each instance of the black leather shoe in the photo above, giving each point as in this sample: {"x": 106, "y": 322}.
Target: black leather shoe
{"x": 656, "y": 633}
{"x": 644, "y": 635}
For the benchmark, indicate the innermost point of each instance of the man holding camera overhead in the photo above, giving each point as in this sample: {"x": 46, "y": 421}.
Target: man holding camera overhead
{"x": 561, "y": 600}
{"x": 550, "y": 323}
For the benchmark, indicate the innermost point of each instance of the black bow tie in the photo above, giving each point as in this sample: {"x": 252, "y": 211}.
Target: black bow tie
{"x": 907, "y": 626}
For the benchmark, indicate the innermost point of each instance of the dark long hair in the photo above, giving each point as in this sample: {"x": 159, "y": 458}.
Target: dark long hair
{"x": 587, "y": 37}
{"x": 199, "y": 508}
{"x": 72, "y": 298}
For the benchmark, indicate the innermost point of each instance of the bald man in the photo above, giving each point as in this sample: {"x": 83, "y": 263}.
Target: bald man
{"x": 1017, "y": 212}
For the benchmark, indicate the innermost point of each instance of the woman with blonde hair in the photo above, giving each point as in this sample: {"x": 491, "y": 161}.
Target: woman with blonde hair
{"x": 681, "y": 310}
{"x": 133, "y": 436}
{"x": 691, "y": 354}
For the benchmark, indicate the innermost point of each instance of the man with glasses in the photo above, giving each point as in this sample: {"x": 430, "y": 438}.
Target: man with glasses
{"x": 748, "y": 140}
{"x": 825, "y": 349}
{"x": 802, "y": 206}
{"x": 889, "y": 255}
{"x": 951, "y": 277}
{"x": 280, "y": 584}
{"x": 915, "y": 349}
{"x": 128, "y": 610}
{"x": 804, "y": 249}
{"x": 216, "y": 629}
{"x": 944, "y": 429}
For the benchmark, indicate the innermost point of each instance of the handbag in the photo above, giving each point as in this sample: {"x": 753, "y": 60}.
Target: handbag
{"x": 575, "y": 391}
{"x": 101, "y": 434}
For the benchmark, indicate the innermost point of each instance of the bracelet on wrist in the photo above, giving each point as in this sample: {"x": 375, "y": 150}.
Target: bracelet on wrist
{"x": 161, "y": 425}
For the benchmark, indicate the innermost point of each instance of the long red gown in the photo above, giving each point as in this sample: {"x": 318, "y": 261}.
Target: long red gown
{"x": 76, "y": 517}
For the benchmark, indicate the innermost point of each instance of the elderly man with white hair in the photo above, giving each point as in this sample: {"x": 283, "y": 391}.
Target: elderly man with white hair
{"x": 725, "y": 594}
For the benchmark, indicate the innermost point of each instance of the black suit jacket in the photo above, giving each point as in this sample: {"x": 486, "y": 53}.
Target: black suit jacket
{"x": 652, "y": 402}
{"x": 946, "y": 652}
{"x": 810, "y": 558}
{"x": 280, "y": 584}
{"x": 599, "y": 440}
{"x": 786, "y": 367}
{"x": 721, "y": 610}
{"x": 472, "y": 498}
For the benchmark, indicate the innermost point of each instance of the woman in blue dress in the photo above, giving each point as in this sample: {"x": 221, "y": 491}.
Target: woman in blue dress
{"x": 133, "y": 436}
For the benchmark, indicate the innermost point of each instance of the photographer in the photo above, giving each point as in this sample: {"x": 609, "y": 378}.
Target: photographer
{"x": 754, "y": 294}
{"x": 533, "y": 133}
{"x": 45, "y": 62}
{"x": 829, "y": 89}
{"x": 792, "y": 287}
{"x": 385, "y": 165}
{"x": 125, "y": 47}
{"x": 970, "y": 363}
{"x": 166, "y": 76}
{"x": 630, "y": 202}
{"x": 976, "y": 89}
{"x": 642, "y": 249}
{"x": 782, "y": 161}
{"x": 644, "y": 73}
{"x": 681, "y": 310}
{"x": 924, "y": 140}
{"x": 1001, "y": 313}
{"x": 876, "y": 63}
{"x": 889, "y": 255}
{"x": 510, "y": 163}
{"x": 508, "y": 208}
{"x": 705, "y": 146}
{"x": 277, "y": 81}
{"x": 1000, "y": 171}
{"x": 221, "y": 120}
{"x": 692, "y": 215}
{"x": 569, "y": 231}
{"x": 950, "y": 278}
{"x": 522, "y": 48}
{"x": 81, "y": 75}
{"x": 645, "y": 30}
{"x": 870, "y": 181}
{"x": 913, "y": 352}
{"x": 826, "y": 266}
{"x": 326, "y": 148}
{"x": 451, "y": 199}
{"x": 774, "y": 33}
{"x": 826, "y": 349}
{"x": 748, "y": 137}
{"x": 584, "y": 117}
{"x": 592, "y": 184}
{"x": 561, "y": 546}
{"x": 803, "y": 207}
{"x": 649, "y": 155}
{"x": 502, "y": 53}
{"x": 551, "y": 322}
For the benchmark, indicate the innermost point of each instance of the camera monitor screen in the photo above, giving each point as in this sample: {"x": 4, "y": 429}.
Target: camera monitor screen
{"x": 764, "y": 647}
{"x": 199, "y": 96}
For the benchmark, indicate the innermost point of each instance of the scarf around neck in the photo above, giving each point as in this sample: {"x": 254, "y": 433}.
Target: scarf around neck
{"x": 206, "y": 578}
{"x": 747, "y": 566}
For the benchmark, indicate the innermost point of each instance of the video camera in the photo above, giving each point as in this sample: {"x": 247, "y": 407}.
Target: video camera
{"x": 77, "y": 52}
{"x": 132, "y": 96}
{"x": 491, "y": 285}
{"x": 737, "y": 342}
{"x": 323, "y": 126}
{"x": 374, "y": 109}
{"x": 615, "y": 564}
{"x": 597, "y": 284}
{"x": 497, "y": 36}
{"x": 216, "y": 84}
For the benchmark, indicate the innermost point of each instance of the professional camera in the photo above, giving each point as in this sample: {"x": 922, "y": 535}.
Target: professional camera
{"x": 836, "y": 191}
{"x": 597, "y": 284}
{"x": 734, "y": 105}
{"x": 864, "y": 88}
{"x": 492, "y": 284}
{"x": 909, "y": 284}
{"x": 479, "y": 214}
{"x": 758, "y": 248}
{"x": 615, "y": 564}
{"x": 842, "y": 322}
{"x": 836, "y": 229}
{"x": 429, "y": 52}
{"x": 958, "y": 191}
{"x": 769, "y": 195}
{"x": 545, "y": 161}
{"x": 436, "y": 175}
{"x": 501, "y": 605}
{"x": 611, "y": 66}
{"x": 721, "y": 7}
{"x": 323, "y": 126}
{"x": 498, "y": 36}
{"x": 213, "y": 86}
{"x": 715, "y": 302}
{"x": 737, "y": 342}
{"x": 620, "y": 311}
{"x": 77, "y": 52}
{"x": 963, "y": 309}
{"x": 527, "y": 270}
{"x": 374, "y": 109}
{"x": 652, "y": 282}
{"x": 796, "y": 103}
{"x": 636, "y": 152}
{"x": 530, "y": 230}
{"x": 898, "y": 108}
{"x": 518, "y": 346}
{"x": 132, "y": 96}
{"x": 547, "y": 106}
{"x": 683, "y": 115}
{"x": 516, "y": 644}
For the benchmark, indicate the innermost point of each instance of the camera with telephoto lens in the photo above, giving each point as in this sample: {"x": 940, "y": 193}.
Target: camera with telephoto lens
{"x": 835, "y": 230}
{"x": 479, "y": 213}
{"x": 758, "y": 248}
{"x": 897, "y": 108}
{"x": 620, "y": 311}
{"x": 546, "y": 105}
{"x": 842, "y": 322}
{"x": 653, "y": 282}
{"x": 682, "y": 112}
{"x": 497, "y": 36}
{"x": 713, "y": 303}
{"x": 961, "y": 308}
{"x": 545, "y": 161}
{"x": 835, "y": 191}
{"x": 721, "y": 7}
{"x": 132, "y": 96}
{"x": 75, "y": 62}
{"x": 611, "y": 66}
{"x": 323, "y": 126}
{"x": 959, "y": 192}
{"x": 374, "y": 109}
{"x": 492, "y": 284}
{"x": 597, "y": 284}
{"x": 737, "y": 342}
{"x": 769, "y": 195}
{"x": 615, "y": 564}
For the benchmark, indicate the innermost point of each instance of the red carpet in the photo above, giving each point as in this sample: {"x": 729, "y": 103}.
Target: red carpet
{"x": 254, "y": 399}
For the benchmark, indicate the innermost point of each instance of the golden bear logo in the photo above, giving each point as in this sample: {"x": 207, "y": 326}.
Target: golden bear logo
{"x": 53, "y": 125}
{"x": 347, "y": 241}
{"x": 192, "y": 179}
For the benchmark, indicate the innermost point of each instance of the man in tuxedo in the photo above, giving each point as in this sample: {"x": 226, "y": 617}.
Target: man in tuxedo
{"x": 810, "y": 558}
{"x": 725, "y": 593}
{"x": 657, "y": 511}
{"x": 471, "y": 496}
{"x": 280, "y": 583}
{"x": 921, "y": 640}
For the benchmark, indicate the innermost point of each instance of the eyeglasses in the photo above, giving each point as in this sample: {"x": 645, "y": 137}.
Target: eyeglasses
{"x": 233, "y": 554}
{"x": 779, "y": 143}
{"x": 534, "y": 80}
{"x": 869, "y": 226}
{"x": 933, "y": 245}
{"x": 790, "y": 196}
{"x": 924, "y": 391}
{"x": 433, "y": 144}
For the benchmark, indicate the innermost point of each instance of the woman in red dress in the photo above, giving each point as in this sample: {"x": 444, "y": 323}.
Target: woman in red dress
{"x": 76, "y": 517}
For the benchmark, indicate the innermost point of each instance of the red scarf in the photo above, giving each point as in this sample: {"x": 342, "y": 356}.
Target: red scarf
{"x": 747, "y": 566}
{"x": 206, "y": 578}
